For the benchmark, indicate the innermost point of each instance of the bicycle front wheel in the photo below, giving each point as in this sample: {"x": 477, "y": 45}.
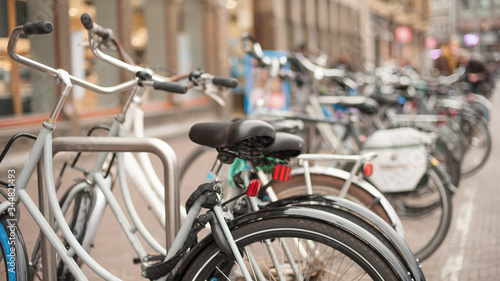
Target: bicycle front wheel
{"x": 13, "y": 256}
{"x": 282, "y": 248}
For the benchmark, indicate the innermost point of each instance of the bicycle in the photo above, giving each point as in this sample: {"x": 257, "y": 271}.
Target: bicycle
{"x": 345, "y": 137}
{"x": 375, "y": 260}
{"x": 439, "y": 106}
{"x": 146, "y": 164}
{"x": 138, "y": 120}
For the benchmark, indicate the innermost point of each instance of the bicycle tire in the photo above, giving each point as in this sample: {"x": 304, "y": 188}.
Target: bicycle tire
{"x": 330, "y": 186}
{"x": 471, "y": 126}
{"x": 448, "y": 158}
{"x": 447, "y": 149}
{"x": 360, "y": 256}
{"x": 13, "y": 257}
{"x": 78, "y": 224}
{"x": 362, "y": 217}
{"x": 435, "y": 214}
{"x": 80, "y": 213}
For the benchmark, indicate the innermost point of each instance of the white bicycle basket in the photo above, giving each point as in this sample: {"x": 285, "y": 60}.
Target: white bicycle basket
{"x": 402, "y": 158}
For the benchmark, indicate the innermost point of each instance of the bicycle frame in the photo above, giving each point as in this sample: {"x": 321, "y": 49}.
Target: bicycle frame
{"x": 43, "y": 149}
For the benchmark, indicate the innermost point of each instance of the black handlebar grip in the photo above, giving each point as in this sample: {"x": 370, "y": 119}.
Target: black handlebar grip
{"x": 225, "y": 82}
{"x": 247, "y": 35}
{"x": 38, "y": 27}
{"x": 87, "y": 21}
{"x": 170, "y": 87}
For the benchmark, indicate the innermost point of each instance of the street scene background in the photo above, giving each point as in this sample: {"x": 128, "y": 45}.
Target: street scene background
{"x": 178, "y": 36}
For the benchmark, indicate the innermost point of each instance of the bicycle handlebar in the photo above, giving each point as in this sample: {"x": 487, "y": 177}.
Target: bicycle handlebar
{"x": 255, "y": 51}
{"x": 89, "y": 24}
{"x": 258, "y": 54}
{"x": 172, "y": 87}
{"x": 38, "y": 27}
{"x": 198, "y": 77}
{"x": 43, "y": 28}
{"x": 316, "y": 69}
{"x": 95, "y": 29}
{"x": 225, "y": 82}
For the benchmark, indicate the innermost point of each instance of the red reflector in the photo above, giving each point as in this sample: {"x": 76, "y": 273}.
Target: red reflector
{"x": 444, "y": 115}
{"x": 253, "y": 187}
{"x": 453, "y": 112}
{"x": 368, "y": 169}
{"x": 281, "y": 173}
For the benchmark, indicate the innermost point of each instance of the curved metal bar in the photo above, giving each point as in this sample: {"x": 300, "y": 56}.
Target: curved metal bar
{"x": 55, "y": 73}
{"x": 123, "y": 144}
{"x": 134, "y": 216}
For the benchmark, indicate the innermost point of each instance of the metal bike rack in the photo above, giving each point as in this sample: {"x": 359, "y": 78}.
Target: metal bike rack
{"x": 124, "y": 144}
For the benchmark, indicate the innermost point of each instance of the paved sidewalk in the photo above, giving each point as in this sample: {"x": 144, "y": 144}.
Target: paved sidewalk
{"x": 471, "y": 250}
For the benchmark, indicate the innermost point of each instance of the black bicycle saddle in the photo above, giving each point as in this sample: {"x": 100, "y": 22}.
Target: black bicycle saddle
{"x": 368, "y": 105}
{"x": 245, "y": 137}
{"x": 287, "y": 126}
{"x": 386, "y": 99}
{"x": 285, "y": 146}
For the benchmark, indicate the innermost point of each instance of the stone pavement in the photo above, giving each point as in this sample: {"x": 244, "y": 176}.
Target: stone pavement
{"x": 471, "y": 250}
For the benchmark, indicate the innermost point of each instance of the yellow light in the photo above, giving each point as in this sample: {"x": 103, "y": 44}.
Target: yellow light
{"x": 231, "y": 4}
{"x": 73, "y": 12}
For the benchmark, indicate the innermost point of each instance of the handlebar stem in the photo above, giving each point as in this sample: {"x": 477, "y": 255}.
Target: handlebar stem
{"x": 64, "y": 79}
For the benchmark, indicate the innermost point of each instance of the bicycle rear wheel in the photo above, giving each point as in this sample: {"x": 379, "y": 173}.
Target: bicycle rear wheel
{"x": 326, "y": 184}
{"x": 317, "y": 251}
{"x": 477, "y": 143}
{"x": 425, "y": 212}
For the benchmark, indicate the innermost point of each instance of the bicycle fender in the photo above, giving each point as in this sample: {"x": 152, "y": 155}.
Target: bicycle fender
{"x": 313, "y": 214}
{"x": 483, "y": 101}
{"x": 368, "y": 187}
{"x": 365, "y": 214}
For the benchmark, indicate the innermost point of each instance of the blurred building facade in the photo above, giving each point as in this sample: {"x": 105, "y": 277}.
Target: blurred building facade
{"x": 476, "y": 23}
{"x": 176, "y": 36}
{"x": 362, "y": 31}
{"x": 480, "y": 18}
{"x": 444, "y": 19}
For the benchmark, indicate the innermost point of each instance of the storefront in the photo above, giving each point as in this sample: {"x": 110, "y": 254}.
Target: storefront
{"x": 171, "y": 36}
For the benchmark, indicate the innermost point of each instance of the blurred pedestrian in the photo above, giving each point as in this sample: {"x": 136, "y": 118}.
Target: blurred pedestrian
{"x": 477, "y": 73}
{"x": 446, "y": 63}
